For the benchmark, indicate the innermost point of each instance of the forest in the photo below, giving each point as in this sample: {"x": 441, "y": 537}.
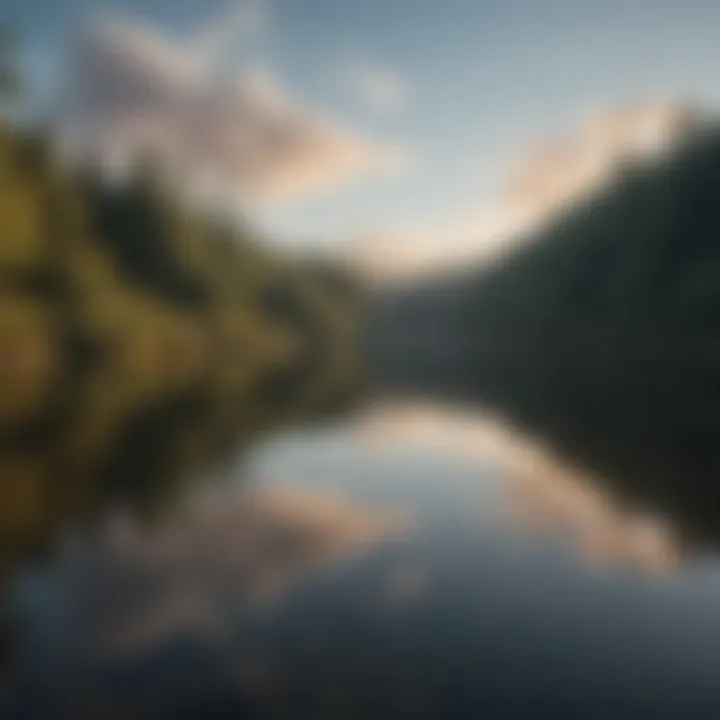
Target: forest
{"x": 143, "y": 341}
{"x": 600, "y": 335}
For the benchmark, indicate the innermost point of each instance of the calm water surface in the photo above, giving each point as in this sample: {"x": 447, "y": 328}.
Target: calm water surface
{"x": 332, "y": 577}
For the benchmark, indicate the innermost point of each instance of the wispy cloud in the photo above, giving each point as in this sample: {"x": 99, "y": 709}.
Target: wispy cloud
{"x": 133, "y": 90}
{"x": 556, "y": 172}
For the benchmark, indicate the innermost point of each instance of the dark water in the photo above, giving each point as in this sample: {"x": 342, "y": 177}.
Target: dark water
{"x": 330, "y": 577}
{"x": 161, "y": 557}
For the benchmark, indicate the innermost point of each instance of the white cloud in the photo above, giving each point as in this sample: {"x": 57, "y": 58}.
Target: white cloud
{"x": 377, "y": 86}
{"x": 412, "y": 251}
{"x": 557, "y": 172}
{"x": 133, "y": 90}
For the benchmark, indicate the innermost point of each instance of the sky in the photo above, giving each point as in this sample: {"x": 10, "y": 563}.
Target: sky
{"x": 329, "y": 119}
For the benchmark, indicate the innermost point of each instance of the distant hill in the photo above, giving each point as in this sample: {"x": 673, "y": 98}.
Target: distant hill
{"x": 599, "y": 334}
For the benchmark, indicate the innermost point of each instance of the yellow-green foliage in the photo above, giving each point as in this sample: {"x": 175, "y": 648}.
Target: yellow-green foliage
{"x": 136, "y": 343}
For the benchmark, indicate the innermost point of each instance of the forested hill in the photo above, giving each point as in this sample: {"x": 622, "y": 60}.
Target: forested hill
{"x": 600, "y": 334}
{"x": 143, "y": 342}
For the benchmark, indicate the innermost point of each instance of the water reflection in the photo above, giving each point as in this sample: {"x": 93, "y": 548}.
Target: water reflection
{"x": 544, "y": 491}
{"x": 218, "y": 556}
{"x": 325, "y": 602}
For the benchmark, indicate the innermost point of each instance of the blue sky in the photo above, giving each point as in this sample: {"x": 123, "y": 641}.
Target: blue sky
{"x": 479, "y": 80}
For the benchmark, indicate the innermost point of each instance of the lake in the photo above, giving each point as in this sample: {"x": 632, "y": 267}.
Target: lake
{"x": 346, "y": 573}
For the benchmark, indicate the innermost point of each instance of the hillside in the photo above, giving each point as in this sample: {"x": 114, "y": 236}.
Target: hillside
{"x": 143, "y": 342}
{"x": 600, "y": 334}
